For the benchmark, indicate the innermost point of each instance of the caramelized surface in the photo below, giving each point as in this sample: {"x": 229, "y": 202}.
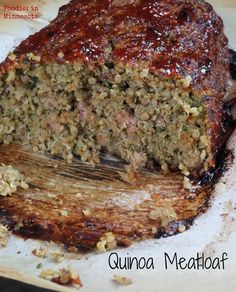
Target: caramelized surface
{"x": 174, "y": 37}
{"x": 96, "y": 201}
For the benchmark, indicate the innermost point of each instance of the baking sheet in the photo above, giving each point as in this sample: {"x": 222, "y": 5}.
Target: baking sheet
{"x": 213, "y": 233}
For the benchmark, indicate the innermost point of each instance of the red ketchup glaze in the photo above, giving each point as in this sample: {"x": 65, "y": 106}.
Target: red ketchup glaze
{"x": 172, "y": 36}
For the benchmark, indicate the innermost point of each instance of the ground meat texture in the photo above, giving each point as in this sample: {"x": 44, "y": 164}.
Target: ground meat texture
{"x": 143, "y": 80}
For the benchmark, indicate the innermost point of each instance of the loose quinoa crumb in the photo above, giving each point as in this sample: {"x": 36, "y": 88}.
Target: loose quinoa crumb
{"x": 63, "y": 277}
{"x": 121, "y": 280}
{"x": 163, "y": 214}
{"x": 57, "y": 257}
{"x": 187, "y": 183}
{"x": 87, "y": 212}
{"x": 10, "y": 180}
{"x": 41, "y": 252}
{"x": 182, "y": 228}
{"x": 107, "y": 242}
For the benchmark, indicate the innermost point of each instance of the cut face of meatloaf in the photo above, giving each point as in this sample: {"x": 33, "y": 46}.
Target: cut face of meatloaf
{"x": 142, "y": 79}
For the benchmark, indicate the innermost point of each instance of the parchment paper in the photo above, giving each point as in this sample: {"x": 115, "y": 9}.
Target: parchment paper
{"x": 213, "y": 233}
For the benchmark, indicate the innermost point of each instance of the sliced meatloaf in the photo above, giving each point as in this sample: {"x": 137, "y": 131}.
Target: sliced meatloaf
{"x": 140, "y": 79}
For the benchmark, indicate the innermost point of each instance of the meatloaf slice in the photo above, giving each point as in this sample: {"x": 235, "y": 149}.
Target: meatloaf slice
{"x": 141, "y": 79}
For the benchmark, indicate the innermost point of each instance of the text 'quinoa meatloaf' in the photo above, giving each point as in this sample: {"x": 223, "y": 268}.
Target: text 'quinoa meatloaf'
{"x": 140, "y": 79}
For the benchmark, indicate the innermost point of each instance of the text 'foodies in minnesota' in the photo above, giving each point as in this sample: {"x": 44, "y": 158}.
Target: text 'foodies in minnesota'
{"x": 20, "y": 12}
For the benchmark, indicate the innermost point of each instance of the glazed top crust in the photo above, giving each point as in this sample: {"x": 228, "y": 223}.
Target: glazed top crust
{"x": 174, "y": 38}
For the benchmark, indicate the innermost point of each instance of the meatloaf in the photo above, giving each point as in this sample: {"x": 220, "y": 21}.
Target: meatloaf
{"x": 140, "y": 79}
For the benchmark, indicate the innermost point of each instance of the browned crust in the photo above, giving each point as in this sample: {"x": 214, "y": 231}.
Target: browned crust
{"x": 114, "y": 206}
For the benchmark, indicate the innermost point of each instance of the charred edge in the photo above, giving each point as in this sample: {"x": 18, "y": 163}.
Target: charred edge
{"x": 35, "y": 187}
{"x": 224, "y": 156}
{"x": 124, "y": 242}
{"x": 35, "y": 231}
{"x": 232, "y": 66}
{"x": 83, "y": 240}
{"x": 229, "y": 123}
{"x": 4, "y": 212}
{"x": 30, "y": 228}
{"x": 7, "y": 219}
{"x": 173, "y": 228}
{"x": 79, "y": 247}
{"x": 224, "y": 160}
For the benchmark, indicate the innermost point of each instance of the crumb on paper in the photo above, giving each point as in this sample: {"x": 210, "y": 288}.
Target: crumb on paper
{"x": 164, "y": 214}
{"x": 73, "y": 249}
{"x": 107, "y": 242}
{"x": 63, "y": 277}
{"x": 40, "y": 252}
{"x": 121, "y": 280}
{"x": 10, "y": 180}
{"x": 57, "y": 257}
{"x": 3, "y": 236}
{"x": 48, "y": 274}
{"x": 181, "y": 228}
